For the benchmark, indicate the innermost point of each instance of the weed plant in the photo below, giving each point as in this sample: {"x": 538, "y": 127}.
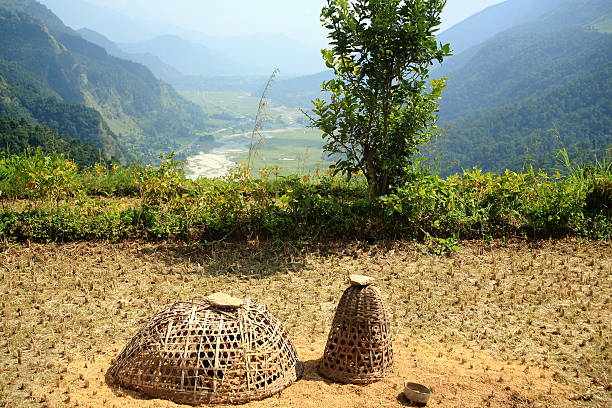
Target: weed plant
{"x": 45, "y": 198}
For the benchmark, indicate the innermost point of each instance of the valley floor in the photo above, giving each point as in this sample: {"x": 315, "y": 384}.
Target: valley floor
{"x": 520, "y": 324}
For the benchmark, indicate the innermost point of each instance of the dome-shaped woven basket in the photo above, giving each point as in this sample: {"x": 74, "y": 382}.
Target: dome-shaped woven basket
{"x": 198, "y": 352}
{"x": 359, "y": 349}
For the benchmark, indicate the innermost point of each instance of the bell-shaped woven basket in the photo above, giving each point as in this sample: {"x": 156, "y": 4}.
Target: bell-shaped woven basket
{"x": 359, "y": 347}
{"x": 209, "y": 352}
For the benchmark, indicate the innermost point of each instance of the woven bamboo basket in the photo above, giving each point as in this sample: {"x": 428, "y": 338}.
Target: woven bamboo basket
{"x": 209, "y": 352}
{"x": 359, "y": 347}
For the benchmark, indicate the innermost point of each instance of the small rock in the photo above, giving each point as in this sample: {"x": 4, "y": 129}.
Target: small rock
{"x": 225, "y": 300}
{"x": 361, "y": 280}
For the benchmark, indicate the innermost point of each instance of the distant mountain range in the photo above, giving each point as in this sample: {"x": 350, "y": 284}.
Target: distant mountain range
{"x": 189, "y": 58}
{"x": 161, "y": 70}
{"x": 209, "y": 55}
{"x": 53, "y": 76}
{"x": 493, "y": 20}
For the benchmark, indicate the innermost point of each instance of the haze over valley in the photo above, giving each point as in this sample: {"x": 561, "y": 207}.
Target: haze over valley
{"x": 527, "y": 78}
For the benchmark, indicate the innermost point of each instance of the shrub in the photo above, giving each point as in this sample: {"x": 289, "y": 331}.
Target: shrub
{"x": 166, "y": 205}
{"x": 36, "y": 175}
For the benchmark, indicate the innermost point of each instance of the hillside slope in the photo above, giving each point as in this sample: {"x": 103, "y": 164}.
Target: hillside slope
{"x": 576, "y": 115}
{"x": 22, "y": 96}
{"x": 25, "y": 95}
{"x": 493, "y": 20}
{"x": 147, "y": 115}
{"x": 19, "y": 136}
{"x": 520, "y": 64}
{"x": 161, "y": 70}
{"x": 519, "y": 97}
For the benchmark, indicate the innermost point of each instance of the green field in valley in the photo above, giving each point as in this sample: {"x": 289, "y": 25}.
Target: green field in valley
{"x": 235, "y": 103}
{"x": 236, "y": 110}
{"x": 287, "y": 144}
{"x": 294, "y": 151}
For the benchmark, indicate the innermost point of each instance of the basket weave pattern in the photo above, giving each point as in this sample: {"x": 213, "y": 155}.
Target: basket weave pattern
{"x": 359, "y": 347}
{"x": 195, "y": 353}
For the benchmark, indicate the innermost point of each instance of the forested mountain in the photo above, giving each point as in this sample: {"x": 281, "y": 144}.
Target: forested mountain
{"x": 18, "y": 136}
{"x": 576, "y": 115}
{"x": 24, "y": 96}
{"x": 519, "y": 97}
{"x": 147, "y": 115}
{"x": 520, "y": 64}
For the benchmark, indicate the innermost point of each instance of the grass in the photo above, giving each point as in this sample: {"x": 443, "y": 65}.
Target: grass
{"x": 236, "y": 103}
{"x": 518, "y": 324}
{"x": 236, "y": 110}
{"x": 291, "y": 152}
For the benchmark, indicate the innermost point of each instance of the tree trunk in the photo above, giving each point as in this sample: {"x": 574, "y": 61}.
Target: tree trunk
{"x": 378, "y": 184}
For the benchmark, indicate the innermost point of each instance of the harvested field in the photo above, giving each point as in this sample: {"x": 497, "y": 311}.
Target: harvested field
{"x": 522, "y": 324}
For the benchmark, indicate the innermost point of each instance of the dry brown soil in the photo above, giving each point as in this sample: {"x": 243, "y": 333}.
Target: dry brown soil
{"x": 522, "y": 324}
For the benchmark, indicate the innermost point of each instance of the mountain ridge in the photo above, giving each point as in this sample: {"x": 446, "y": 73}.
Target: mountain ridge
{"x": 147, "y": 115}
{"x": 187, "y": 57}
{"x": 258, "y": 53}
{"x": 493, "y": 20}
{"x": 498, "y": 111}
{"x": 161, "y": 70}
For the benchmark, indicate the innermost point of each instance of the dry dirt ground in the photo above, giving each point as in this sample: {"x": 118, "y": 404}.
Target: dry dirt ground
{"x": 520, "y": 324}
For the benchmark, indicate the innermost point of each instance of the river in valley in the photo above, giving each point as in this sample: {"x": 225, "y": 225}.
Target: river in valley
{"x": 218, "y": 161}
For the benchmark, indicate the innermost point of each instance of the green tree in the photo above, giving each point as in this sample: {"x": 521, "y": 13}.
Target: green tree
{"x": 381, "y": 106}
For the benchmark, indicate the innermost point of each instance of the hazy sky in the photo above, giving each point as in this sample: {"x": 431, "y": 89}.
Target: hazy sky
{"x": 298, "y": 19}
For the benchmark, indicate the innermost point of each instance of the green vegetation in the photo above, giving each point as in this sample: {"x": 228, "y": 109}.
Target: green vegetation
{"x": 289, "y": 152}
{"x": 40, "y": 56}
{"x": 17, "y": 137}
{"x": 144, "y": 202}
{"x": 529, "y": 132}
{"x": 381, "y": 108}
{"x": 62, "y": 191}
{"x": 515, "y": 100}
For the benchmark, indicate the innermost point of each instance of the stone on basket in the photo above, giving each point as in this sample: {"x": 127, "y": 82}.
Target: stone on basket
{"x": 216, "y": 351}
{"x": 359, "y": 349}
